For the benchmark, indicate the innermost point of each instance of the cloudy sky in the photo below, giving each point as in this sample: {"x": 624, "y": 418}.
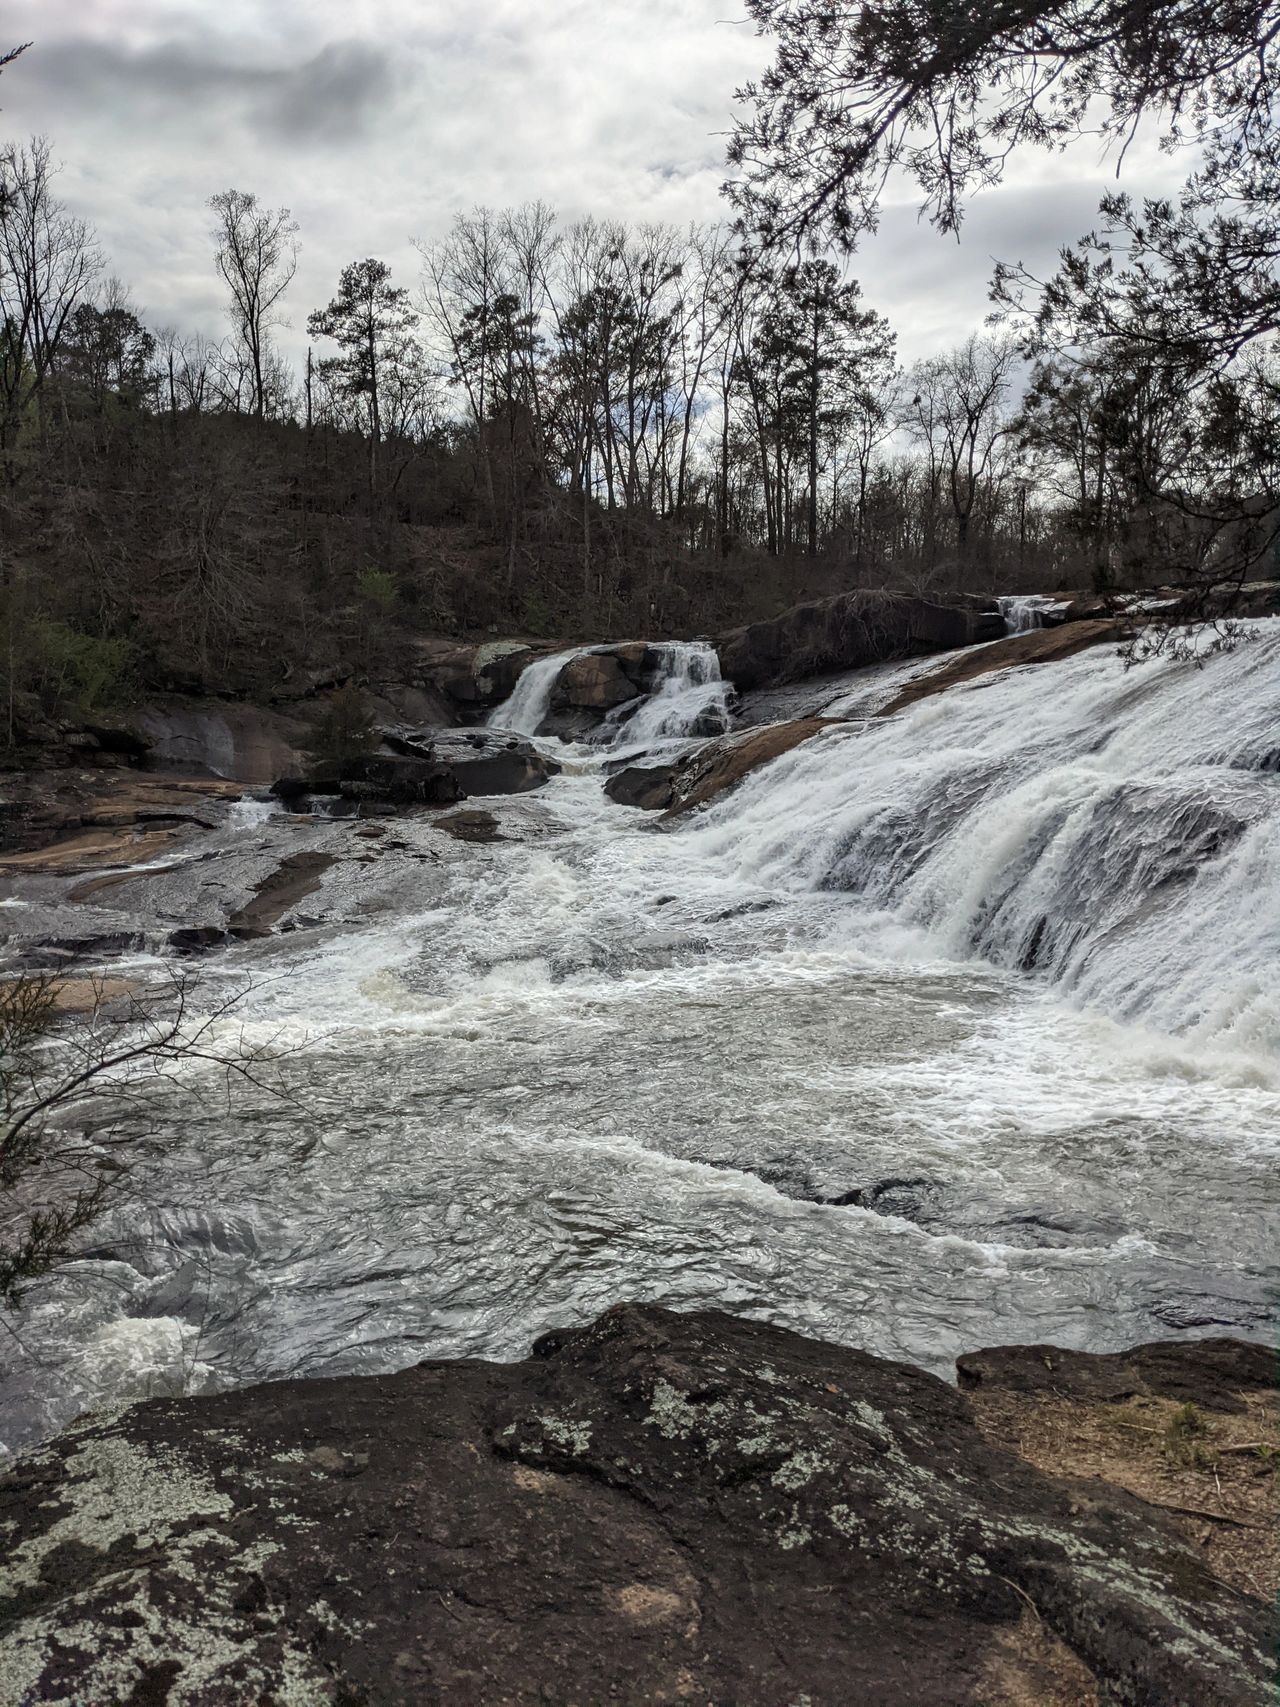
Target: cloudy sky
{"x": 376, "y": 120}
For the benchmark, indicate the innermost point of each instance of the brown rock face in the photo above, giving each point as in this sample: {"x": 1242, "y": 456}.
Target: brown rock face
{"x": 724, "y": 763}
{"x": 716, "y": 767}
{"x": 1039, "y": 646}
{"x": 40, "y": 809}
{"x": 594, "y": 682}
{"x": 472, "y": 677}
{"x": 849, "y": 631}
{"x": 657, "y": 1509}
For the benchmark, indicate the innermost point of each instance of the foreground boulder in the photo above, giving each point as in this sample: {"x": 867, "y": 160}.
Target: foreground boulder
{"x": 850, "y": 630}
{"x": 658, "y": 1509}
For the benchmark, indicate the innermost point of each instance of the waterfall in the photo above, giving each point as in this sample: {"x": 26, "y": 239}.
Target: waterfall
{"x": 687, "y": 697}
{"x": 527, "y": 709}
{"x": 1023, "y": 612}
{"x": 1117, "y": 834}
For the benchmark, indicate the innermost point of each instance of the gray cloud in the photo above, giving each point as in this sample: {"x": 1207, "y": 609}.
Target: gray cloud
{"x": 377, "y": 122}
{"x": 330, "y": 96}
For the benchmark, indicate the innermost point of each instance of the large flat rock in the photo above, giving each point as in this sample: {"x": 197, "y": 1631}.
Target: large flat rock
{"x": 657, "y": 1509}
{"x": 850, "y": 631}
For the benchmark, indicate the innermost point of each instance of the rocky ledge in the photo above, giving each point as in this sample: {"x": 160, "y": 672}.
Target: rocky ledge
{"x": 660, "y": 1508}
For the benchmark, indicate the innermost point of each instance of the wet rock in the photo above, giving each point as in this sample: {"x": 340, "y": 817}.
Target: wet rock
{"x": 52, "y": 953}
{"x": 196, "y": 939}
{"x": 39, "y": 809}
{"x": 723, "y": 763}
{"x": 292, "y": 881}
{"x": 656, "y": 1508}
{"x": 571, "y": 725}
{"x": 903, "y": 1199}
{"x": 649, "y": 787}
{"x": 1211, "y": 1309}
{"x": 492, "y": 762}
{"x": 1257, "y": 598}
{"x": 398, "y": 779}
{"x": 471, "y": 827}
{"x": 429, "y": 768}
{"x": 293, "y": 791}
{"x": 849, "y": 631}
{"x": 408, "y": 743}
{"x": 1054, "y": 1229}
{"x": 1085, "y": 607}
{"x": 1215, "y": 1374}
{"x": 700, "y": 777}
{"x": 1037, "y": 646}
{"x": 595, "y": 681}
{"x": 90, "y": 851}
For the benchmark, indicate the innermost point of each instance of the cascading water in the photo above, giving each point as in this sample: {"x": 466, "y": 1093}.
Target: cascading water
{"x": 1023, "y": 612}
{"x": 687, "y": 697}
{"x": 785, "y": 1061}
{"x": 529, "y": 706}
{"x": 1117, "y": 834}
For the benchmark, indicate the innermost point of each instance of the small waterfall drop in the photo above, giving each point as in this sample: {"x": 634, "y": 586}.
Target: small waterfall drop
{"x": 1023, "y": 612}
{"x": 527, "y": 709}
{"x": 687, "y": 698}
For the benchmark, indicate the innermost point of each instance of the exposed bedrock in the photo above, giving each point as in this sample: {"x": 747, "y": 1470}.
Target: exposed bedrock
{"x": 431, "y": 767}
{"x": 658, "y": 1508}
{"x": 850, "y": 630}
{"x": 699, "y": 777}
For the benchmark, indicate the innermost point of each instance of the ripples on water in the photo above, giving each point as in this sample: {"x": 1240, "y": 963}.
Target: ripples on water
{"x": 951, "y": 1031}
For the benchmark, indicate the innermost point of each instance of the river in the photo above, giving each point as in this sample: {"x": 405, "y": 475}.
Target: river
{"x": 951, "y": 1029}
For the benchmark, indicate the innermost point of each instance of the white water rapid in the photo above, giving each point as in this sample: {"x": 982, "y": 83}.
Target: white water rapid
{"x": 687, "y": 697}
{"x": 527, "y": 709}
{"x": 1023, "y": 612}
{"x": 953, "y": 1029}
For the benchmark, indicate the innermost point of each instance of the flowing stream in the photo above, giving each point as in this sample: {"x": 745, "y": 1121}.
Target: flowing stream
{"x": 952, "y": 1029}
{"x": 1024, "y": 612}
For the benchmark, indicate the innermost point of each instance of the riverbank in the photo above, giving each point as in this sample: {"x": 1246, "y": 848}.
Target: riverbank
{"x": 664, "y": 1508}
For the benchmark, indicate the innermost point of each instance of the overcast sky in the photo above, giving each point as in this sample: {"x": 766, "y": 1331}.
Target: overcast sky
{"x": 376, "y": 120}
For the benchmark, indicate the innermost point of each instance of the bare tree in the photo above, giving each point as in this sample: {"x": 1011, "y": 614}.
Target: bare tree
{"x": 470, "y": 295}
{"x": 77, "y": 1096}
{"x": 257, "y": 257}
{"x": 49, "y": 261}
{"x": 959, "y": 414}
